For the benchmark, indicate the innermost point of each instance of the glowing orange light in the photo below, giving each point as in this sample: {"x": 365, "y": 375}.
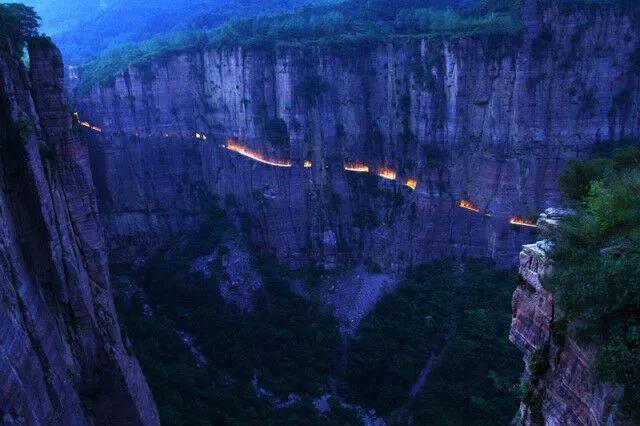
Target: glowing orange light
{"x": 523, "y": 221}
{"x": 307, "y": 164}
{"x": 469, "y": 205}
{"x": 387, "y": 173}
{"x": 86, "y": 123}
{"x": 411, "y": 183}
{"x": 233, "y": 145}
{"x": 356, "y": 167}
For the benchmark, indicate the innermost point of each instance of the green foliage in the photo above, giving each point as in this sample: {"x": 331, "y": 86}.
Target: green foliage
{"x": 479, "y": 368}
{"x": 85, "y": 28}
{"x": 290, "y": 343}
{"x": 577, "y": 176}
{"x": 460, "y": 319}
{"x": 576, "y": 179}
{"x": 533, "y": 397}
{"x": 104, "y": 68}
{"x": 539, "y": 363}
{"x": 18, "y": 23}
{"x": 352, "y": 22}
{"x": 597, "y": 270}
{"x": 535, "y": 405}
{"x": 559, "y": 331}
{"x": 396, "y": 339}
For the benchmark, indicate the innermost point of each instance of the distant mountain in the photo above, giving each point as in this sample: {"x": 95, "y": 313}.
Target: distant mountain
{"x": 84, "y": 28}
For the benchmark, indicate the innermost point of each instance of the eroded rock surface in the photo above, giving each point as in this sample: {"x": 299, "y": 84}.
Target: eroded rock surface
{"x": 566, "y": 393}
{"x": 354, "y": 293}
{"x": 484, "y": 118}
{"x": 62, "y": 358}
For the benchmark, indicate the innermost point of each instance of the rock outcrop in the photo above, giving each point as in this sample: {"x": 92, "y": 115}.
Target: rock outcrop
{"x": 62, "y": 358}
{"x": 560, "y": 386}
{"x": 491, "y": 119}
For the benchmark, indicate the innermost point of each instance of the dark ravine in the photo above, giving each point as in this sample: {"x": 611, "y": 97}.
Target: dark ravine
{"x": 62, "y": 357}
{"x": 465, "y": 118}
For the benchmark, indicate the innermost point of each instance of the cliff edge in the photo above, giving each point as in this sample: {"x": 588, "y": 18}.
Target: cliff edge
{"x": 559, "y": 387}
{"x": 364, "y": 153}
{"x": 62, "y": 357}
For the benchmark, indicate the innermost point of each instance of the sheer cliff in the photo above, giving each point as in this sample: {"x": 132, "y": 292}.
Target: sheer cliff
{"x": 62, "y": 357}
{"x": 560, "y": 385}
{"x": 486, "y": 119}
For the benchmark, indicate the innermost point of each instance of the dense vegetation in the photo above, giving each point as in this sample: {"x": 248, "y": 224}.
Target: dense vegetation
{"x": 289, "y": 343}
{"x": 326, "y": 23}
{"x": 460, "y": 315}
{"x": 457, "y": 313}
{"x": 18, "y": 24}
{"x": 84, "y": 28}
{"x": 597, "y": 263}
{"x": 351, "y": 21}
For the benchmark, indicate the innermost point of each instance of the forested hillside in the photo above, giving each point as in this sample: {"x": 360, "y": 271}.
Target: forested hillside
{"x": 82, "y": 29}
{"x": 597, "y": 264}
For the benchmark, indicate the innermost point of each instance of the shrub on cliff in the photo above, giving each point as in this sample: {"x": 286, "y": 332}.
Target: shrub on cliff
{"x": 351, "y": 22}
{"x": 18, "y": 23}
{"x": 597, "y": 270}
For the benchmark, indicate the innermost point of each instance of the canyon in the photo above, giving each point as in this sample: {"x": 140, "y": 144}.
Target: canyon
{"x": 345, "y": 166}
{"x": 383, "y": 154}
{"x": 483, "y": 118}
{"x": 62, "y": 357}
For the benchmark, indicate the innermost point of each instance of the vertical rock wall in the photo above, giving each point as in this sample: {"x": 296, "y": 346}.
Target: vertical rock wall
{"x": 62, "y": 357}
{"x": 561, "y": 389}
{"x": 492, "y": 119}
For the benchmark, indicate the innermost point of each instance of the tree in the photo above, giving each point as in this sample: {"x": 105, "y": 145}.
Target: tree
{"x": 596, "y": 273}
{"x": 18, "y": 23}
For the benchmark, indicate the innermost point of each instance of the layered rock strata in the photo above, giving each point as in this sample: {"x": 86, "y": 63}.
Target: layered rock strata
{"x": 63, "y": 360}
{"x": 560, "y": 387}
{"x": 488, "y": 119}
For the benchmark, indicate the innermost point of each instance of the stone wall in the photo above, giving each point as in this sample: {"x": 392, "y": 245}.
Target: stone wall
{"x": 62, "y": 357}
{"x": 491, "y": 119}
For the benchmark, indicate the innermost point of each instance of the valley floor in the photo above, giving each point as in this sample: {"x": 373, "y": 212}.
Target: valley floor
{"x": 226, "y": 336}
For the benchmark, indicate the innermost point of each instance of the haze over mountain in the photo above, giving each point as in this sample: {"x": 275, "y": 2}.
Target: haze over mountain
{"x": 83, "y": 29}
{"x": 359, "y": 212}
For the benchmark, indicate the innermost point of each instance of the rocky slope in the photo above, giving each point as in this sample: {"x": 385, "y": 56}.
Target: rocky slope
{"x": 62, "y": 357}
{"x": 488, "y": 119}
{"x": 560, "y": 386}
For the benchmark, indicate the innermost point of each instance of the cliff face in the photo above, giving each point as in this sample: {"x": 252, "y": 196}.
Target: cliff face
{"x": 488, "y": 119}
{"x": 63, "y": 360}
{"x": 561, "y": 388}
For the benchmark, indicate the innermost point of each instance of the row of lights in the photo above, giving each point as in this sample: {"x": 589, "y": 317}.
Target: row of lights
{"x": 197, "y": 135}
{"x": 355, "y": 167}
{"x": 515, "y": 220}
